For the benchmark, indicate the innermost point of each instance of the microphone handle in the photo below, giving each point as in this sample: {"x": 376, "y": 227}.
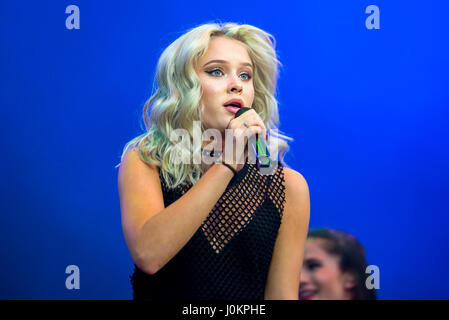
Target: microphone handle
{"x": 260, "y": 147}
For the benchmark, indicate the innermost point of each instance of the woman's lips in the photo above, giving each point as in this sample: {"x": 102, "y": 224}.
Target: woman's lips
{"x": 232, "y": 109}
{"x": 306, "y": 295}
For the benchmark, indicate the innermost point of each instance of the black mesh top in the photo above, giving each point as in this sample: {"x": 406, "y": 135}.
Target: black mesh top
{"x": 228, "y": 257}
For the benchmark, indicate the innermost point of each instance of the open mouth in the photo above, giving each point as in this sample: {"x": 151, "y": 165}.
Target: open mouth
{"x": 237, "y": 103}
{"x": 232, "y": 109}
{"x": 306, "y": 294}
{"x": 233, "y": 105}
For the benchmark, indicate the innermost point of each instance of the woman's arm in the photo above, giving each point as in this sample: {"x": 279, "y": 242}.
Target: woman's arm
{"x": 155, "y": 234}
{"x": 286, "y": 263}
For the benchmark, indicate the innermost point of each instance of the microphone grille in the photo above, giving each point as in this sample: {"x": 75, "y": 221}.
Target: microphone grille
{"x": 241, "y": 111}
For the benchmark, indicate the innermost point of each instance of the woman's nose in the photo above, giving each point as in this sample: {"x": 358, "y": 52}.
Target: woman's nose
{"x": 234, "y": 86}
{"x": 237, "y": 89}
{"x": 304, "y": 277}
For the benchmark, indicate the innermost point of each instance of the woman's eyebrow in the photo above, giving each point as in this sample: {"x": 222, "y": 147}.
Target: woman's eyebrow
{"x": 224, "y": 61}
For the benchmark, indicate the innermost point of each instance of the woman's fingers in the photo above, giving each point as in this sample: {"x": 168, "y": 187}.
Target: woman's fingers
{"x": 252, "y": 119}
{"x": 241, "y": 133}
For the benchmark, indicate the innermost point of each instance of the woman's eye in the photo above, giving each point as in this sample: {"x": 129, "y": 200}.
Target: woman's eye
{"x": 312, "y": 266}
{"x": 214, "y": 72}
{"x": 218, "y": 72}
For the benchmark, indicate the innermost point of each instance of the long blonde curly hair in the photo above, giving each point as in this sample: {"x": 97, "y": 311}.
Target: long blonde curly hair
{"x": 176, "y": 101}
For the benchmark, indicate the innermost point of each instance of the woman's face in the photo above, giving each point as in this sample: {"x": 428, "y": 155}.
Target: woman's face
{"x": 232, "y": 78}
{"x": 321, "y": 277}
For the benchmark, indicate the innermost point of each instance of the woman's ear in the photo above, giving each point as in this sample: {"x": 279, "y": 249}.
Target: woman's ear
{"x": 348, "y": 281}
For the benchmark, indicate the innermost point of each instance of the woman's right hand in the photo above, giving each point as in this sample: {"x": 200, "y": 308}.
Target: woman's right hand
{"x": 240, "y": 134}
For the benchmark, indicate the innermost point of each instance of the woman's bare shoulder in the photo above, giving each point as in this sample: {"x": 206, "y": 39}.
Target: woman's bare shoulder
{"x": 133, "y": 169}
{"x": 133, "y": 158}
{"x": 295, "y": 184}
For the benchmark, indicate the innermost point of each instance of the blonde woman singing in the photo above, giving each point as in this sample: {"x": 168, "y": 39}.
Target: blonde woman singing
{"x": 215, "y": 229}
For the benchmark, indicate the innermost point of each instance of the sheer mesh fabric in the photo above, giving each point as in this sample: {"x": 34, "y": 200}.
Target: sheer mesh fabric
{"x": 228, "y": 257}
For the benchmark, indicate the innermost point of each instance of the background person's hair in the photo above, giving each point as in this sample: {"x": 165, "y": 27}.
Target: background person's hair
{"x": 176, "y": 102}
{"x": 352, "y": 258}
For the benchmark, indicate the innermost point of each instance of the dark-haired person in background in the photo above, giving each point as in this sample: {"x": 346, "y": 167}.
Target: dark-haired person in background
{"x": 334, "y": 267}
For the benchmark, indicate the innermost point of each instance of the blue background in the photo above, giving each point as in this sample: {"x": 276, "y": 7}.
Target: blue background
{"x": 368, "y": 110}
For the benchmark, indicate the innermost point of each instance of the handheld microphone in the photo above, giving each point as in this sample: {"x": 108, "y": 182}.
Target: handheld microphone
{"x": 259, "y": 146}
